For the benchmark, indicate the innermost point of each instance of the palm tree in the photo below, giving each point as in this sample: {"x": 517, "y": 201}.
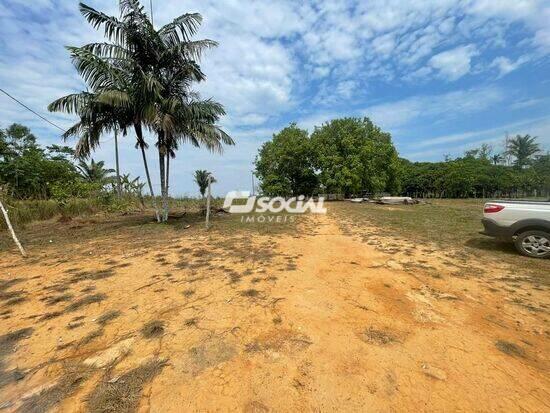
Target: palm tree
{"x": 95, "y": 172}
{"x": 201, "y": 178}
{"x": 143, "y": 78}
{"x": 522, "y": 148}
{"x": 497, "y": 158}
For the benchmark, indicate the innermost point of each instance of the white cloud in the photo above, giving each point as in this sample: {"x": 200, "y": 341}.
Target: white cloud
{"x": 393, "y": 115}
{"x": 454, "y": 63}
{"x": 505, "y": 65}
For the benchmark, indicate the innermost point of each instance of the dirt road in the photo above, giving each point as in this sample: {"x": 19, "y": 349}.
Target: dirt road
{"x": 318, "y": 320}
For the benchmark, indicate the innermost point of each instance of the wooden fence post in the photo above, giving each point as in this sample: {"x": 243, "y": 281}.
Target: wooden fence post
{"x": 10, "y": 228}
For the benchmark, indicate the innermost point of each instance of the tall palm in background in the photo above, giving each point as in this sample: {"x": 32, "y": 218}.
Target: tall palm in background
{"x": 522, "y": 148}
{"x": 142, "y": 77}
{"x": 201, "y": 178}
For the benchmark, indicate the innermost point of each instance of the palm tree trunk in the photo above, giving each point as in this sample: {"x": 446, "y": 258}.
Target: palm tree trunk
{"x": 118, "y": 183}
{"x": 167, "y": 185}
{"x": 162, "y": 167}
{"x": 141, "y": 144}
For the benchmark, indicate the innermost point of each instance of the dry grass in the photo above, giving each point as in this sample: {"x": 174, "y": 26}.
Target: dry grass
{"x": 105, "y": 318}
{"x": 67, "y": 385}
{"x": 250, "y": 293}
{"x": 7, "y": 344}
{"x": 91, "y": 336}
{"x": 378, "y": 337}
{"x": 123, "y": 394}
{"x": 84, "y": 301}
{"x": 510, "y": 348}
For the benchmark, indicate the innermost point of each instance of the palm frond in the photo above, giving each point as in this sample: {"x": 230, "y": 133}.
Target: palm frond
{"x": 181, "y": 28}
{"x": 72, "y": 103}
{"x": 114, "y": 98}
{"x": 97, "y": 72}
{"x": 108, "y": 51}
{"x": 114, "y": 28}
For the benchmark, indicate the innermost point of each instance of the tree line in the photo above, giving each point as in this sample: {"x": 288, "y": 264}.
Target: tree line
{"x": 354, "y": 157}
{"x": 30, "y": 171}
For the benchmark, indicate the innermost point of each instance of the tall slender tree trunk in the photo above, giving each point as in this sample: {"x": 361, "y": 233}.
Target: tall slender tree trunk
{"x": 141, "y": 144}
{"x": 162, "y": 167}
{"x": 118, "y": 183}
{"x": 167, "y": 186}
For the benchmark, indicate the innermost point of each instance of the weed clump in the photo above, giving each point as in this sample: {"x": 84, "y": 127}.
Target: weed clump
{"x": 105, "y": 318}
{"x": 251, "y": 293}
{"x": 58, "y": 299}
{"x": 90, "y": 337}
{"x": 378, "y": 337}
{"x": 153, "y": 329}
{"x": 49, "y": 316}
{"x": 510, "y": 348}
{"x": 188, "y": 293}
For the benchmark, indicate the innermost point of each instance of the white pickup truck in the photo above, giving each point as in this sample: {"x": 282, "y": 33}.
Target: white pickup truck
{"x": 526, "y": 223}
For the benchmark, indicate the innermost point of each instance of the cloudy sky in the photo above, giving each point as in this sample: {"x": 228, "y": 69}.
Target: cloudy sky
{"x": 442, "y": 76}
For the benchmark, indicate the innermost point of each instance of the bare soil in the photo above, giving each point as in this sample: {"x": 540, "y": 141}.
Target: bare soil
{"x": 316, "y": 318}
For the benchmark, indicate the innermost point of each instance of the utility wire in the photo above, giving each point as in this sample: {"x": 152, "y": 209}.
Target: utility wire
{"x": 30, "y": 110}
{"x": 40, "y": 116}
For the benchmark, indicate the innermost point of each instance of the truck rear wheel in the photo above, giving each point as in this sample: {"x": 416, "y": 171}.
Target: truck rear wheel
{"x": 534, "y": 244}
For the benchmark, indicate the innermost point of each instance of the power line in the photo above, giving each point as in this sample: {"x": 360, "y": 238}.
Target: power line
{"x": 40, "y": 116}
{"x": 30, "y": 110}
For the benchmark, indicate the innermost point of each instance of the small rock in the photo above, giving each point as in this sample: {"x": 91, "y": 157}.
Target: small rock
{"x": 434, "y": 372}
{"x": 5, "y": 405}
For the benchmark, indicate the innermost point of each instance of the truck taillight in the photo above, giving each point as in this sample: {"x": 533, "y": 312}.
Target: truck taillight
{"x": 489, "y": 208}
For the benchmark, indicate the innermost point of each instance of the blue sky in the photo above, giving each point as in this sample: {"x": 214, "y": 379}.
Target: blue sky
{"x": 441, "y": 76}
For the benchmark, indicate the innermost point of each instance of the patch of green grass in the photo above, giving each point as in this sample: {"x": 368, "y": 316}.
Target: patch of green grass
{"x": 452, "y": 223}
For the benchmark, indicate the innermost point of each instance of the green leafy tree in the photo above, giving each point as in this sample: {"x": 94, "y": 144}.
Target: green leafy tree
{"x": 284, "y": 165}
{"x": 26, "y": 169}
{"x": 523, "y": 148}
{"x": 354, "y": 156}
{"x": 541, "y": 166}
